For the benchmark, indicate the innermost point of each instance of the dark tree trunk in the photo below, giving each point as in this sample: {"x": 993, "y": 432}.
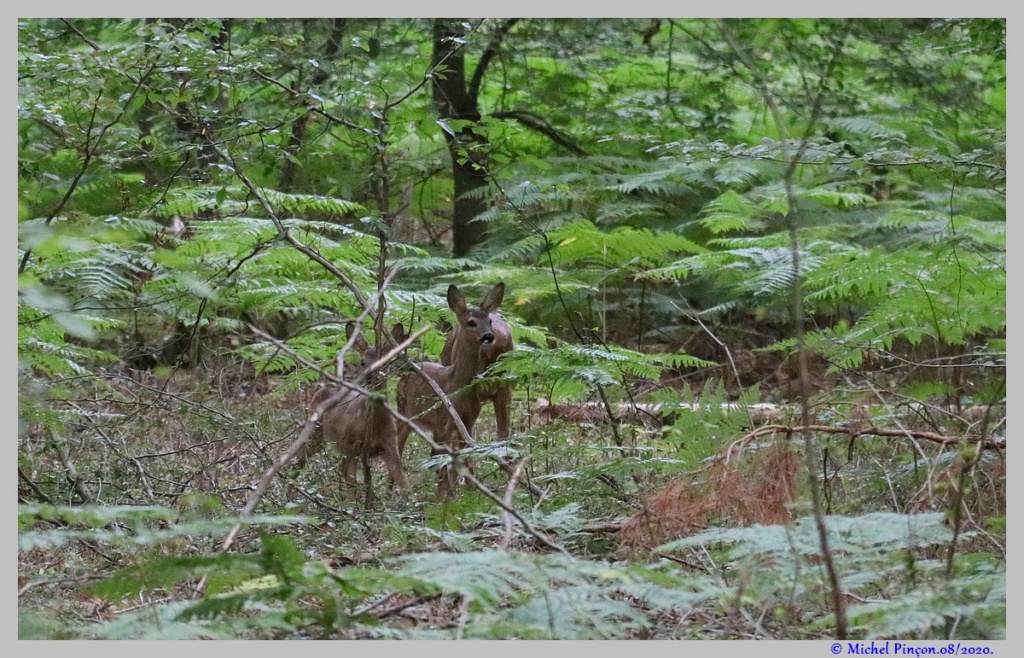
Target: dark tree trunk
{"x": 466, "y": 233}
{"x": 456, "y": 99}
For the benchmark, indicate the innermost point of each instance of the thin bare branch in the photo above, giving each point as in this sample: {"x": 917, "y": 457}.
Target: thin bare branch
{"x": 509, "y": 490}
{"x": 489, "y": 54}
{"x": 791, "y": 219}
{"x": 283, "y": 232}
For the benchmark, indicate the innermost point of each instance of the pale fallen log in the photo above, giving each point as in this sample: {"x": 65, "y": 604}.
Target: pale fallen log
{"x": 644, "y": 413}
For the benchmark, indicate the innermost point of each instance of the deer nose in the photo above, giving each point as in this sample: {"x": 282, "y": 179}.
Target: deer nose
{"x": 487, "y": 338}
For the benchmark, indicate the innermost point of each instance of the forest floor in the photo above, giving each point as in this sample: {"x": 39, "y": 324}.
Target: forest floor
{"x": 198, "y": 441}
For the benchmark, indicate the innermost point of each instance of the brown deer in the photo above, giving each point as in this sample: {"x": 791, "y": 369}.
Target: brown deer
{"x": 500, "y": 395}
{"x": 474, "y": 332}
{"x": 358, "y": 426}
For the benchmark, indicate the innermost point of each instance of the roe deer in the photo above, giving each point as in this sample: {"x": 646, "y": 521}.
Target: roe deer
{"x": 357, "y": 425}
{"x": 474, "y": 333}
{"x": 500, "y": 395}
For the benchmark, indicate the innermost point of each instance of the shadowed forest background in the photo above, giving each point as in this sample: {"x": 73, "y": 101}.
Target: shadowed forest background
{"x": 752, "y": 324}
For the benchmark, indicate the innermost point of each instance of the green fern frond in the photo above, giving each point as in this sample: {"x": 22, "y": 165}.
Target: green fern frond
{"x": 42, "y": 349}
{"x": 163, "y": 623}
{"x": 834, "y": 198}
{"x": 588, "y": 365}
{"x": 427, "y": 264}
{"x": 678, "y": 270}
{"x": 865, "y": 126}
{"x": 305, "y": 205}
{"x": 242, "y": 233}
{"x": 527, "y": 197}
{"x": 977, "y": 598}
{"x": 736, "y": 172}
{"x": 770, "y": 241}
{"x": 730, "y": 212}
{"x": 772, "y": 198}
{"x": 904, "y": 226}
{"x": 552, "y": 596}
{"x": 654, "y": 182}
{"x": 234, "y": 200}
{"x": 526, "y": 250}
{"x": 582, "y": 243}
{"x": 309, "y": 229}
{"x": 120, "y": 229}
{"x": 616, "y": 212}
{"x": 109, "y": 182}
{"x": 188, "y": 202}
{"x": 487, "y": 576}
{"x": 576, "y": 612}
{"x": 910, "y": 294}
{"x": 761, "y": 271}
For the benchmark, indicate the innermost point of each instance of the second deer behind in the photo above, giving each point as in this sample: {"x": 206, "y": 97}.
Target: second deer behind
{"x": 358, "y": 426}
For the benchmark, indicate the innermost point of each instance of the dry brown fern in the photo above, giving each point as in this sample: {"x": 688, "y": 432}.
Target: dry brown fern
{"x": 754, "y": 489}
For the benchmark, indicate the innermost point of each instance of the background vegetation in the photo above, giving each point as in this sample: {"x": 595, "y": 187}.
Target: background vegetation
{"x": 756, "y": 273}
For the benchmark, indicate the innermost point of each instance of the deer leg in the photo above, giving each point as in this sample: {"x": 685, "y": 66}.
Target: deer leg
{"x": 367, "y": 481}
{"x": 346, "y": 476}
{"x": 396, "y": 471}
{"x": 403, "y": 435}
{"x": 447, "y": 477}
{"x": 502, "y": 404}
{"x": 446, "y": 483}
{"x": 470, "y": 423}
{"x": 311, "y": 447}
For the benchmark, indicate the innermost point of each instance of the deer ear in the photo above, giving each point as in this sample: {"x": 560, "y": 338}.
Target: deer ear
{"x": 360, "y": 342}
{"x": 398, "y": 333}
{"x": 493, "y": 299}
{"x": 456, "y": 302}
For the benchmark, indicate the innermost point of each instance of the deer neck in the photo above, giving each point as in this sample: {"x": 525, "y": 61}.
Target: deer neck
{"x": 466, "y": 363}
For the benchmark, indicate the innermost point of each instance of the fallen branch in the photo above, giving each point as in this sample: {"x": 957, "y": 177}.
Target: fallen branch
{"x": 602, "y": 528}
{"x": 642, "y": 413}
{"x": 994, "y": 443}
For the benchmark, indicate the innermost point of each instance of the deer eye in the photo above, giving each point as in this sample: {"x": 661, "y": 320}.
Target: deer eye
{"x": 471, "y": 324}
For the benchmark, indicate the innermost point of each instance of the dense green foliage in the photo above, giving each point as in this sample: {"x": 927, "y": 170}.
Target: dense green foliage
{"x": 684, "y": 212}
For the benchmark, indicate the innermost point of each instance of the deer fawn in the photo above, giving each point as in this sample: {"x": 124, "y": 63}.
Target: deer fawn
{"x": 357, "y": 425}
{"x": 500, "y": 395}
{"x": 474, "y": 333}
